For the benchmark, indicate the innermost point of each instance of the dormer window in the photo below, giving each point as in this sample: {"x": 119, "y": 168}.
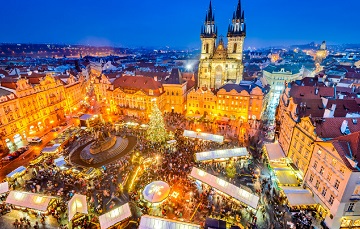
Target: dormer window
{"x": 151, "y": 92}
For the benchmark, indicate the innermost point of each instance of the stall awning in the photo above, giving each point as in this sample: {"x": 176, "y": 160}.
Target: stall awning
{"x": 51, "y": 149}
{"x": 225, "y": 153}
{"x": 77, "y": 204}
{"x": 274, "y": 151}
{"x": 17, "y": 170}
{"x": 59, "y": 161}
{"x": 151, "y": 222}
{"x": 85, "y": 117}
{"x": 298, "y": 196}
{"x": 28, "y": 200}
{"x": 4, "y": 187}
{"x": 114, "y": 216}
{"x": 203, "y": 136}
{"x": 225, "y": 187}
{"x": 286, "y": 177}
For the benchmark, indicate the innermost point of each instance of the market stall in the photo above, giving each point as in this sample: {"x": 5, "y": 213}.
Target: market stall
{"x": 17, "y": 171}
{"x": 52, "y": 149}
{"x": 203, "y": 136}
{"x": 77, "y": 204}
{"x": 115, "y": 216}
{"x": 147, "y": 222}
{"x": 225, "y": 187}
{"x": 4, "y": 187}
{"x": 29, "y": 200}
{"x": 275, "y": 154}
{"x": 297, "y": 196}
{"x": 222, "y": 154}
{"x": 60, "y": 161}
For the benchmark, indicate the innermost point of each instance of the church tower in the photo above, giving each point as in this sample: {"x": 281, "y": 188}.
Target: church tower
{"x": 236, "y": 34}
{"x": 208, "y": 35}
{"x": 220, "y": 64}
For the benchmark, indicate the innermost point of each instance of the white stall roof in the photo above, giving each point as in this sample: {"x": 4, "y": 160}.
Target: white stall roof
{"x": 274, "y": 151}
{"x": 17, "y": 170}
{"x": 225, "y": 187}
{"x": 203, "y": 136}
{"x": 114, "y": 216}
{"x": 298, "y": 196}
{"x": 51, "y": 149}
{"x": 77, "y": 204}
{"x": 59, "y": 161}
{"x": 151, "y": 222}
{"x": 29, "y": 200}
{"x": 4, "y": 187}
{"x": 224, "y": 153}
{"x": 85, "y": 117}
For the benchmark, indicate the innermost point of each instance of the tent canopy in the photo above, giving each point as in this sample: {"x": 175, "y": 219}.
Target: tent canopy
{"x": 85, "y": 117}
{"x": 77, "y": 204}
{"x": 114, "y": 216}
{"x": 151, "y": 222}
{"x": 4, "y": 187}
{"x": 51, "y": 149}
{"x": 156, "y": 191}
{"x": 225, "y": 153}
{"x": 203, "y": 136}
{"x": 286, "y": 177}
{"x": 298, "y": 196}
{"x": 17, "y": 170}
{"x": 60, "y": 161}
{"x": 274, "y": 151}
{"x": 225, "y": 187}
{"x": 28, "y": 200}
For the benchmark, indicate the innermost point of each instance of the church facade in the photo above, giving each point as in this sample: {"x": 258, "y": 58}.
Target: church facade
{"x": 220, "y": 64}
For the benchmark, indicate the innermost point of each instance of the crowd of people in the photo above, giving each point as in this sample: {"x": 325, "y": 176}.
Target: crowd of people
{"x": 194, "y": 201}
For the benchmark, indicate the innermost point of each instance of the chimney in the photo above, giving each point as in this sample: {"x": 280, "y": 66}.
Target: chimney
{"x": 344, "y": 127}
{"x": 155, "y": 78}
{"x": 316, "y": 90}
{"x": 324, "y": 101}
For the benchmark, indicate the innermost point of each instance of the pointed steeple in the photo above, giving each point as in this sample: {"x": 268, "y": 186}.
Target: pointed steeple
{"x": 237, "y": 27}
{"x": 209, "y": 24}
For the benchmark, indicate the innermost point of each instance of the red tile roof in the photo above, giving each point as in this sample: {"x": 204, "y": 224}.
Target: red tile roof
{"x": 330, "y": 127}
{"x": 348, "y": 147}
{"x": 139, "y": 83}
{"x": 308, "y": 92}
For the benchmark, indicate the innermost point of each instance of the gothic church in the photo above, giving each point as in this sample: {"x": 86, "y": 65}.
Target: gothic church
{"x": 219, "y": 64}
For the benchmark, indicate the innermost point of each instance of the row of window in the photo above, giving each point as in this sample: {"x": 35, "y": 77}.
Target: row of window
{"x": 324, "y": 189}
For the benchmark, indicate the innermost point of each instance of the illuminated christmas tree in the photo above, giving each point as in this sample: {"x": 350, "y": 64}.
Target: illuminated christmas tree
{"x": 156, "y": 132}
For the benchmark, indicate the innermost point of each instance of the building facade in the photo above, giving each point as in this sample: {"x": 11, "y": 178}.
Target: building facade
{"x": 232, "y": 101}
{"x": 219, "y": 64}
{"x": 133, "y": 96}
{"x": 333, "y": 178}
{"x": 32, "y": 105}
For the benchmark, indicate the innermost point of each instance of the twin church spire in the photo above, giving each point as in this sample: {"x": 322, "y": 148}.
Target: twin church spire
{"x": 236, "y": 28}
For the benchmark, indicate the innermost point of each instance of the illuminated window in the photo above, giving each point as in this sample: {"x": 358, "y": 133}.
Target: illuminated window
{"x": 329, "y": 176}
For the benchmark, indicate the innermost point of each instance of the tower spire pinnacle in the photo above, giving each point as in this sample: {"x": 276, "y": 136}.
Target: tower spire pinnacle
{"x": 209, "y": 25}
{"x": 237, "y": 27}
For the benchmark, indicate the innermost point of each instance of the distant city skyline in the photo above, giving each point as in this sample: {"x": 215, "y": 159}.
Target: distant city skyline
{"x": 177, "y": 23}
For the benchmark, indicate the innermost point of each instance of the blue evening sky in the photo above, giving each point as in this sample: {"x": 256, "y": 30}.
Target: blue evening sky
{"x": 176, "y": 23}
